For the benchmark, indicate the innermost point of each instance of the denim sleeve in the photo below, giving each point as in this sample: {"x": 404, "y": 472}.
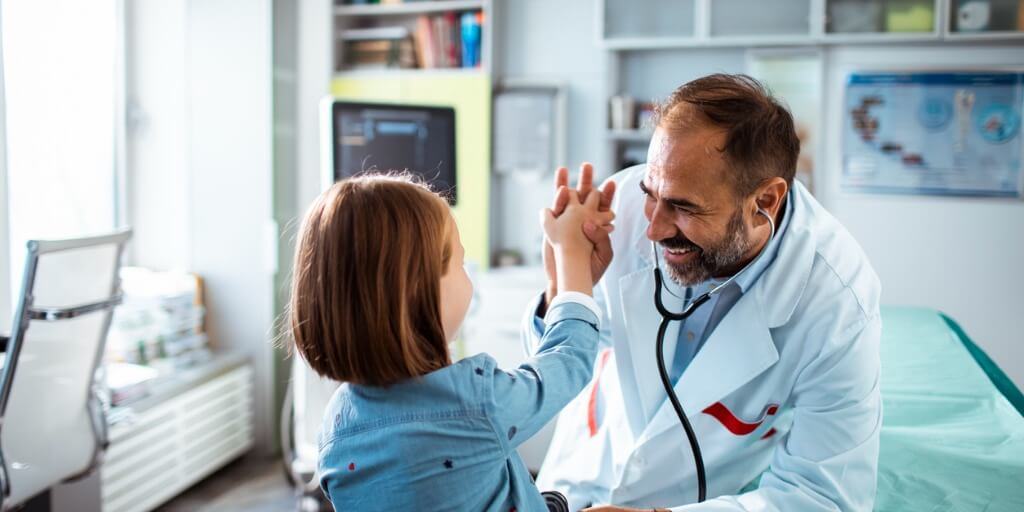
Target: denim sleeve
{"x": 523, "y": 400}
{"x": 533, "y": 325}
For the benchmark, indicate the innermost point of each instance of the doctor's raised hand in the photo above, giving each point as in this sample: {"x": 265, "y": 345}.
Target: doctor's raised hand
{"x": 601, "y": 256}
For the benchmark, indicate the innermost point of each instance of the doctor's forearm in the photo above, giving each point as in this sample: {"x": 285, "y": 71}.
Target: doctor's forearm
{"x": 549, "y": 295}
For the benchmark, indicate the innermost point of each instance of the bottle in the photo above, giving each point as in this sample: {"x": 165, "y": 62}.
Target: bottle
{"x": 471, "y": 35}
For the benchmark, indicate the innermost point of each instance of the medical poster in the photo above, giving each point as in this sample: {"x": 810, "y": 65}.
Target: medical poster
{"x": 944, "y": 133}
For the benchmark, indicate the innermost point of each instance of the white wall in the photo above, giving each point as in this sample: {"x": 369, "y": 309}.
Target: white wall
{"x": 5, "y": 270}
{"x": 157, "y": 150}
{"x": 556, "y": 41}
{"x": 200, "y": 167}
{"x": 312, "y": 84}
{"x": 534, "y": 41}
{"x": 230, "y": 160}
{"x": 959, "y": 255}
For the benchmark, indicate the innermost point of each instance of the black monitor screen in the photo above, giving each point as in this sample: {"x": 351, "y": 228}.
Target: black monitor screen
{"x": 380, "y": 138}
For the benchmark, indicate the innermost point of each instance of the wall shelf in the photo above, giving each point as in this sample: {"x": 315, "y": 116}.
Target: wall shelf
{"x": 983, "y": 36}
{"x": 817, "y": 32}
{"x": 407, "y": 9}
{"x": 408, "y": 72}
{"x": 649, "y": 43}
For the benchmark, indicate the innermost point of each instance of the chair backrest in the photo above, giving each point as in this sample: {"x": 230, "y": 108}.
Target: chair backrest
{"x": 51, "y": 425}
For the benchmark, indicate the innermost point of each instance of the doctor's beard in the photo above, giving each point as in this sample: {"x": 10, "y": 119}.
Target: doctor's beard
{"x": 711, "y": 261}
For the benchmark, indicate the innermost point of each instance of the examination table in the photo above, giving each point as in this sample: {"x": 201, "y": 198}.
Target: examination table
{"x": 953, "y": 431}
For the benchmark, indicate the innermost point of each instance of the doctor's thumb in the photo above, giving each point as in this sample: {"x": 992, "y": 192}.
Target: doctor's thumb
{"x": 597, "y": 234}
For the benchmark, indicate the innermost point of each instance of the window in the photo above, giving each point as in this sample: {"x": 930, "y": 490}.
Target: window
{"x": 61, "y": 94}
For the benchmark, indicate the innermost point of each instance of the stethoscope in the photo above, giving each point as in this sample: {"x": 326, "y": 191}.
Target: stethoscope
{"x": 668, "y": 316}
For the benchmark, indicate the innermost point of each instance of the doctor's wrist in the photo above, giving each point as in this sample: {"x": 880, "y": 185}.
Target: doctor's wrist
{"x": 545, "y": 300}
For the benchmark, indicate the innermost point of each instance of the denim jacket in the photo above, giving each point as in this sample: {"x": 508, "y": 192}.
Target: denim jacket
{"x": 447, "y": 440}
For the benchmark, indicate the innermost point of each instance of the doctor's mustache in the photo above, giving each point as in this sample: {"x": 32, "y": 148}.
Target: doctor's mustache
{"x": 680, "y": 242}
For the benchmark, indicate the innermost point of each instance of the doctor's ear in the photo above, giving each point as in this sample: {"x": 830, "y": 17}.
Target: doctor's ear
{"x": 769, "y": 197}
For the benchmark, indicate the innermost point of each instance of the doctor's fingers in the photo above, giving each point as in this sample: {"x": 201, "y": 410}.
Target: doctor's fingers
{"x": 607, "y": 194}
{"x": 561, "y": 183}
{"x": 591, "y": 201}
{"x": 585, "y": 183}
{"x": 561, "y": 177}
{"x": 604, "y": 218}
{"x": 598, "y": 235}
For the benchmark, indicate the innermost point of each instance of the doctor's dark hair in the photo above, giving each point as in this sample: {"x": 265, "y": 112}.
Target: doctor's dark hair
{"x": 366, "y": 293}
{"x": 760, "y": 141}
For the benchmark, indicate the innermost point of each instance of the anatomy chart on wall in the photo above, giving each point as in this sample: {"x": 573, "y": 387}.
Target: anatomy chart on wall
{"x": 946, "y": 133}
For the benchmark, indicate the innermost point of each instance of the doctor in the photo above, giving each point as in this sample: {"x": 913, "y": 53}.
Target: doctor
{"x": 778, "y": 373}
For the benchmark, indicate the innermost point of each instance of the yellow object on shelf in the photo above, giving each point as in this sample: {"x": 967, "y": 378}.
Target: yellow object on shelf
{"x": 470, "y": 95}
{"x": 910, "y": 17}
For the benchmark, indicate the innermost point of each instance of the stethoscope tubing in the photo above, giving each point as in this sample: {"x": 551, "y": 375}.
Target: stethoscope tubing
{"x": 667, "y": 317}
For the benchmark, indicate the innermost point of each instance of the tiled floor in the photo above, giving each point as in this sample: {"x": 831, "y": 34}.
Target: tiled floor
{"x": 246, "y": 485}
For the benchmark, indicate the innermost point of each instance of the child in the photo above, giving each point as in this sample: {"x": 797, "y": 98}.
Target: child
{"x": 379, "y": 291}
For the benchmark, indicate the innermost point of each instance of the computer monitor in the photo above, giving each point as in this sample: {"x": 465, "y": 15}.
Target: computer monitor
{"x": 360, "y": 138}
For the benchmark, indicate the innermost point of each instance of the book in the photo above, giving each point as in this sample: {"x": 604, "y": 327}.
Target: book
{"x": 440, "y": 42}
{"x": 425, "y": 55}
{"x": 381, "y": 53}
{"x": 448, "y": 40}
{"x": 451, "y": 25}
{"x": 364, "y": 34}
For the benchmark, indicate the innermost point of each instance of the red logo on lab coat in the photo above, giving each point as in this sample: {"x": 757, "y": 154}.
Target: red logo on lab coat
{"x": 737, "y": 426}
{"x": 592, "y": 422}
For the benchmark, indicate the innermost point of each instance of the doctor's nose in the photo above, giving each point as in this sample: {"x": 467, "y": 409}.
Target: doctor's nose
{"x": 661, "y": 226}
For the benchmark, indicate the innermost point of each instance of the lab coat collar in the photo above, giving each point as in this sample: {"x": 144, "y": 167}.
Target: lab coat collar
{"x": 738, "y": 350}
{"x": 747, "y": 279}
{"x": 782, "y": 284}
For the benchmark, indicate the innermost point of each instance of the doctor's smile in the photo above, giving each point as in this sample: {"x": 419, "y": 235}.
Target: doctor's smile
{"x": 680, "y": 256}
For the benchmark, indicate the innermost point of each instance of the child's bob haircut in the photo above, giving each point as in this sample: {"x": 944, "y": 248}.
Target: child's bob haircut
{"x": 366, "y": 304}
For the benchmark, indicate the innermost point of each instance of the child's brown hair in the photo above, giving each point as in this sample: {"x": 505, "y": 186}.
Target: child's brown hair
{"x": 365, "y": 304}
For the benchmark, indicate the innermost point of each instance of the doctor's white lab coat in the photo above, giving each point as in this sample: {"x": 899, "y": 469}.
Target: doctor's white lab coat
{"x": 788, "y": 381}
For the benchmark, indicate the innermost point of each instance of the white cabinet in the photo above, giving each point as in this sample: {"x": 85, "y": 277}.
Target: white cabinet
{"x": 172, "y": 442}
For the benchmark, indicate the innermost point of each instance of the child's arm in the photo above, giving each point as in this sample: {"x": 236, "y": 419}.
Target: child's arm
{"x": 525, "y": 399}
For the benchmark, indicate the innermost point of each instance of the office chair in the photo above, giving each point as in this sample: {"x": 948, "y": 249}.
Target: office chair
{"x": 52, "y": 426}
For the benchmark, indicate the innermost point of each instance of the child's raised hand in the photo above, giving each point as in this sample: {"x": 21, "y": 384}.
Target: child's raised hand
{"x": 566, "y": 230}
{"x": 571, "y": 246}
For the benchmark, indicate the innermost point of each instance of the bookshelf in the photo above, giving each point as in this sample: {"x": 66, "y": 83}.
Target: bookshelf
{"x": 420, "y": 37}
{"x": 408, "y": 8}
